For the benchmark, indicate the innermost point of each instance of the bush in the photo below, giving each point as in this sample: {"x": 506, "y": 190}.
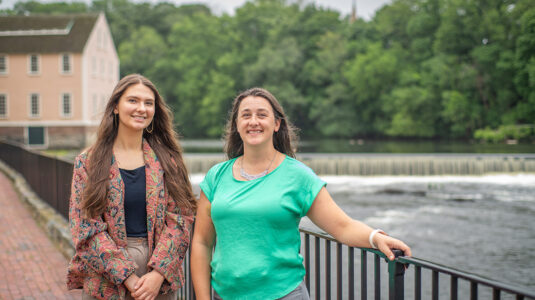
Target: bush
{"x": 506, "y": 132}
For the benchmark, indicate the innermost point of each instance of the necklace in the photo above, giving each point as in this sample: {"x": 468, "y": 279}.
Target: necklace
{"x": 255, "y": 176}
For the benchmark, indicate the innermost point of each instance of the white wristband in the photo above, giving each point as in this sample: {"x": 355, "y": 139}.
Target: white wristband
{"x": 370, "y": 239}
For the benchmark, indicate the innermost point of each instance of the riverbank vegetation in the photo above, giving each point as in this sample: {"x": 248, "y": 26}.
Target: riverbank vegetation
{"x": 418, "y": 68}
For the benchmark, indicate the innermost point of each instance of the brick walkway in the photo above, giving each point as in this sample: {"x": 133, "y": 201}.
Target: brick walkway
{"x": 30, "y": 266}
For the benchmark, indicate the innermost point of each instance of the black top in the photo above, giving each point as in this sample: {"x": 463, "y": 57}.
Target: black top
{"x": 135, "y": 202}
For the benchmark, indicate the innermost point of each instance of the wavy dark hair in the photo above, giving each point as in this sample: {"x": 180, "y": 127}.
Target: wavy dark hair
{"x": 283, "y": 140}
{"x": 163, "y": 140}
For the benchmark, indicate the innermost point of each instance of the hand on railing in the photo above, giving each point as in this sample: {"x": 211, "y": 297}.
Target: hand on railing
{"x": 398, "y": 253}
{"x": 386, "y": 244}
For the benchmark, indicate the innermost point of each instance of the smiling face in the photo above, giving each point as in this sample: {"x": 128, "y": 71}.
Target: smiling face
{"x": 135, "y": 108}
{"x": 256, "y": 121}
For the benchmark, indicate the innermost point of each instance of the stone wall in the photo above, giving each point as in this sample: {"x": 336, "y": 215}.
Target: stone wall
{"x": 15, "y": 134}
{"x": 66, "y": 137}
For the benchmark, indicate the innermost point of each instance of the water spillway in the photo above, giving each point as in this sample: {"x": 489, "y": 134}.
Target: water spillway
{"x": 394, "y": 164}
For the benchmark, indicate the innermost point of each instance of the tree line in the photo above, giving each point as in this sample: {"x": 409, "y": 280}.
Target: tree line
{"x": 417, "y": 69}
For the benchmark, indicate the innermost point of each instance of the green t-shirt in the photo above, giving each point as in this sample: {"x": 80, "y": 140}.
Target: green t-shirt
{"x": 257, "y": 228}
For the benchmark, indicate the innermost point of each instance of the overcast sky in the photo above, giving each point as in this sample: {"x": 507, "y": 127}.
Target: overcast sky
{"x": 365, "y": 8}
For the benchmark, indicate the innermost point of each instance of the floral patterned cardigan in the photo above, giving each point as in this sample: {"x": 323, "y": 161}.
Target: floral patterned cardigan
{"x": 101, "y": 262}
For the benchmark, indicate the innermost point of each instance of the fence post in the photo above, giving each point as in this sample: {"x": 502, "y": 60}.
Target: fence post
{"x": 396, "y": 273}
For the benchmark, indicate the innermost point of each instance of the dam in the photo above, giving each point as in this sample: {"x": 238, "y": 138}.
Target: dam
{"x": 369, "y": 164}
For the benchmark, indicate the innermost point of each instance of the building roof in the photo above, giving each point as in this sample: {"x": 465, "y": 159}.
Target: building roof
{"x": 45, "y": 33}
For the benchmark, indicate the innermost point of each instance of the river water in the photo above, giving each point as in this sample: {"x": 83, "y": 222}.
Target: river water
{"x": 481, "y": 224}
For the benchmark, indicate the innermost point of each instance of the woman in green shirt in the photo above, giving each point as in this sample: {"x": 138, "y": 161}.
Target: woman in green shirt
{"x": 253, "y": 204}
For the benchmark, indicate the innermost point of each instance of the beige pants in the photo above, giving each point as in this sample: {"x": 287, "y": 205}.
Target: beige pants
{"x": 138, "y": 248}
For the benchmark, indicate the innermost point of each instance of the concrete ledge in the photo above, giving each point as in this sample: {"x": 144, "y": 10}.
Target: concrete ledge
{"x": 54, "y": 224}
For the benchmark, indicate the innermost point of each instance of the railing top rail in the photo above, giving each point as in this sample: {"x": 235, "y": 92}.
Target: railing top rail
{"x": 440, "y": 268}
{"x": 466, "y": 275}
{"x": 36, "y": 152}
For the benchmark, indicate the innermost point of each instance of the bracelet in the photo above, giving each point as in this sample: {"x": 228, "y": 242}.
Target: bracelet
{"x": 370, "y": 239}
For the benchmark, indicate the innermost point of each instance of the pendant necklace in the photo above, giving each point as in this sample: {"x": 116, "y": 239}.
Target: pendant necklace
{"x": 255, "y": 176}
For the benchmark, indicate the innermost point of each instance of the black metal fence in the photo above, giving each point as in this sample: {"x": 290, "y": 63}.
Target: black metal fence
{"x": 335, "y": 271}
{"x": 49, "y": 177}
{"x": 332, "y": 269}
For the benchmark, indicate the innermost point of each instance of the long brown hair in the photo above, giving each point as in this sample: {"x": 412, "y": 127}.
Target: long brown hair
{"x": 163, "y": 140}
{"x": 283, "y": 139}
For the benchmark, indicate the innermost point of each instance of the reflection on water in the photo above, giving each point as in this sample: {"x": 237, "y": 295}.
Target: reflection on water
{"x": 374, "y": 146}
{"x": 362, "y": 146}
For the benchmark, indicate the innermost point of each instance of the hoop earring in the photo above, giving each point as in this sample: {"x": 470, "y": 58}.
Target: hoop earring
{"x": 115, "y": 121}
{"x": 152, "y": 127}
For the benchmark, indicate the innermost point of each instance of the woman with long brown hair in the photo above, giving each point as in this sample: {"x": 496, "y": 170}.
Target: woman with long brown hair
{"x": 131, "y": 207}
{"x": 254, "y": 202}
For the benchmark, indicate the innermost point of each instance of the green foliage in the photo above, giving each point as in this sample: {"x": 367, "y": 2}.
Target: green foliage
{"x": 506, "y": 132}
{"x": 419, "y": 68}
{"x": 460, "y": 111}
{"x": 140, "y": 52}
{"x": 413, "y": 114}
{"x": 35, "y": 7}
{"x": 370, "y": 76}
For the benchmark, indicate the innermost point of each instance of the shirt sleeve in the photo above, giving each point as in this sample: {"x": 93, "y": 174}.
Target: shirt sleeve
{"x": 208, "y": 183}
{"x": 312, "y": 185}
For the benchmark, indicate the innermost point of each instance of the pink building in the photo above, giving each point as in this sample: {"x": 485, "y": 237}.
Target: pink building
{"x": 56, "y": 74}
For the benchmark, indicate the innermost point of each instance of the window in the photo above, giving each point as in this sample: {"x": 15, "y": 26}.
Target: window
{"x": 36, "y": 136}
{"x": 34, "y": 106}
{"x": 3, "y": 64}
{"x": 34, "y": 64}
{"x": 66, "y": 64}
{"x": 66, "y": 105}
{"x": 3, "y": 106}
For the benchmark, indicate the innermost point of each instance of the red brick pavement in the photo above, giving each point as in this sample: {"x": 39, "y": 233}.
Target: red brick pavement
{"x": 30, "y": 265}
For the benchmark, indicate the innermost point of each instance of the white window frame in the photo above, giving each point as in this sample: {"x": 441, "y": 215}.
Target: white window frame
{"x": 61, "y": 63}
{"x": 6, "y": 63}
{"x": 62, "y": 105}
{"x": 30, "y": 114}
{"x": 6, "y": 104}
{"x": 30, "y": 72}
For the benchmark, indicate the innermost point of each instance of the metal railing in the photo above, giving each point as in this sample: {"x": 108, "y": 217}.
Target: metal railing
{"x": 50, "y": 178}
{"x": 326, "y": 280}
{"x": 334, "y": 271}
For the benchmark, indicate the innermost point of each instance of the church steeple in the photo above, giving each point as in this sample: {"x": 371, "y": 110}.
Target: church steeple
{"x": 353, "y": 11}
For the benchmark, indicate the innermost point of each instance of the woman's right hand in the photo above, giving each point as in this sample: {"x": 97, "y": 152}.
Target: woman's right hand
{"x": 130, "y": 282}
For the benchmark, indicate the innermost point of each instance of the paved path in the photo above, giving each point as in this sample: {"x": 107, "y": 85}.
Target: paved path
{"x": 30, "y": 265}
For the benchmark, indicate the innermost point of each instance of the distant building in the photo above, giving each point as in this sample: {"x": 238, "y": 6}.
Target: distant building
{"x": 56, "y": 74}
